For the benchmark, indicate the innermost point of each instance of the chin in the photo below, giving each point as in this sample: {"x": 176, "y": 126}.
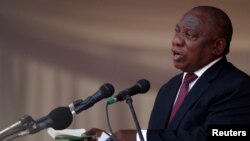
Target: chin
{"x": 179, "y": 67}
{"x": 183, "y": 69}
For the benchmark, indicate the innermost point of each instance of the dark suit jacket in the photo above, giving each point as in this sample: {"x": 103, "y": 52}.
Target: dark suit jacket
{"x": 220, "y": 96}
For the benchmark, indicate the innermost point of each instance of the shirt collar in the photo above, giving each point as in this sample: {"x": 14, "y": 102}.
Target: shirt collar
{"x": 202, "y": 70}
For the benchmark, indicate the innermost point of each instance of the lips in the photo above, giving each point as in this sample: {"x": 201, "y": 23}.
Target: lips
{"x": 176, "y": 55}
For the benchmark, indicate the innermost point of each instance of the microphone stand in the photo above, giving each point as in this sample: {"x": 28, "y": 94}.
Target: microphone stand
{"x": 129, "y": 101}
{"x": 22, "y": 122}
{"x": 17, "y": 129}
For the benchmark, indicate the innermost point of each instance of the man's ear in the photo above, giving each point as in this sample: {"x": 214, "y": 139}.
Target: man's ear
{"x": 220, "y": 45}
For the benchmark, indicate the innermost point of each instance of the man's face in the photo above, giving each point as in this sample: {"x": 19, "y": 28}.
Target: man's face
{"x": 193, "y": 42}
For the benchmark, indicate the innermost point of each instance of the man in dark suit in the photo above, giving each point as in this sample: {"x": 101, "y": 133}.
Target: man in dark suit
{"x": 221, "y": 93}
{"x": 217, "y": 94}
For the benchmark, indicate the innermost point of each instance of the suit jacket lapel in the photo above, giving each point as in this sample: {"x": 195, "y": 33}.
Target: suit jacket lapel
{"x": 197, "y": 91}
{"x": 164, "y": 103}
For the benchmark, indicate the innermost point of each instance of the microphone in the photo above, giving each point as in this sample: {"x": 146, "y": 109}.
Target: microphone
{"x": 141, "y": 86}
{"x": 59, "y": 118}
{"x": 105, "y": 91}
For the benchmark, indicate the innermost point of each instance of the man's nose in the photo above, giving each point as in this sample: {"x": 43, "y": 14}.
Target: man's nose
{"x": 178, "y": 40}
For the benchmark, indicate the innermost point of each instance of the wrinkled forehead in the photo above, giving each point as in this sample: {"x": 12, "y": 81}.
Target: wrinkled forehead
{"x": 190, "y": 20}
{"x": 196, "y": 15}
{"x": 196, "y": 20}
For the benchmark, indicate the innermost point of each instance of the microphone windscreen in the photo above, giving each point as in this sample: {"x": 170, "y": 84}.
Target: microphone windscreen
{"x": 61, "y": 118}
{"x": 144, "y": 85}
{"x": 107, "y": 90}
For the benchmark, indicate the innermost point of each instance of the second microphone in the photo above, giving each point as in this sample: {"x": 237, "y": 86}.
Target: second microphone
{"x": 141, "y": 86}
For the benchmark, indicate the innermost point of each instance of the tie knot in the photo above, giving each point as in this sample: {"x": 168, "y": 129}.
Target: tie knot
{"x": 190, "y": 77}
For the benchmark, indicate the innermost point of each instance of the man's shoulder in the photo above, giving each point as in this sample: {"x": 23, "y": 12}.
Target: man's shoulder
{"x": 236, "y": 73}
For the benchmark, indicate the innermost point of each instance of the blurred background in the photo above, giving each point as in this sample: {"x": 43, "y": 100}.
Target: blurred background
{"x": 54, "y": 52}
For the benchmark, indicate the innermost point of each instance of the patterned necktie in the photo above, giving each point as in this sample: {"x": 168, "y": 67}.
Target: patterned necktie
{"x": 182, "y": 93}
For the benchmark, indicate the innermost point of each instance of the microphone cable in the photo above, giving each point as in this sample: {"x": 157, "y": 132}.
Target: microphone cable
{"x": 111, "y": 134}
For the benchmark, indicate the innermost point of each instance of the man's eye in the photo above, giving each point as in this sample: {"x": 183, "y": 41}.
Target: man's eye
{"x": 177, "y": 30}
{"x": 191, "y": 35}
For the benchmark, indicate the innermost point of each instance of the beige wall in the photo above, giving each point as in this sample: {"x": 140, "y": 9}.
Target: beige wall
{"x": 54, "y": 52}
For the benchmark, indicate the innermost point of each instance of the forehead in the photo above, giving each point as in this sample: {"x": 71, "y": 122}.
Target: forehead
{"x": 194, "y": 20}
